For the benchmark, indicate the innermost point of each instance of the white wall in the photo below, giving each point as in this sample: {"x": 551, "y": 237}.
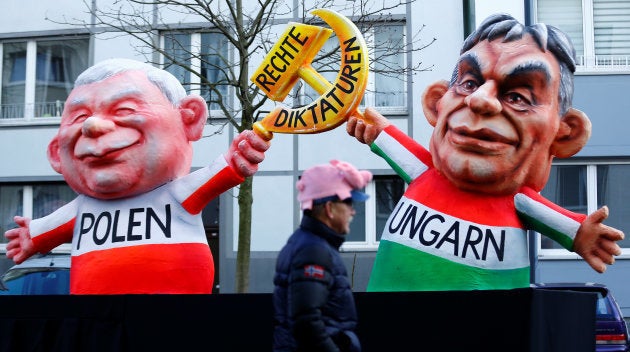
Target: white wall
{"x": 37, "y": 15}
{"x": 485, "y": 8}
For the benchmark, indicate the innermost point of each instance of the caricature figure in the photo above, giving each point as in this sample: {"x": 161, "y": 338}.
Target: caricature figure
{"x": 125, "y": 145}
{"x": 499, "y": 122}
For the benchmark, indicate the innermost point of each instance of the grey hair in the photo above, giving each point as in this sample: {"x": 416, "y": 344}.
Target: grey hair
{"x": 164, "y": 80}
{"x": 547, "y": 37}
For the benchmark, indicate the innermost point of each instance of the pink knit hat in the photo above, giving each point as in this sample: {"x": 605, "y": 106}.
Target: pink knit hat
{"x": 337, "y": 180}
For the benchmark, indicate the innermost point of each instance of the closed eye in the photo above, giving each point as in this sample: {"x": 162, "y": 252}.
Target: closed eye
{"x": 124, "y": 111}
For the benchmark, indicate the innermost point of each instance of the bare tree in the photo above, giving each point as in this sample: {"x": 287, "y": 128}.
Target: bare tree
{"x": 241, "y": 32}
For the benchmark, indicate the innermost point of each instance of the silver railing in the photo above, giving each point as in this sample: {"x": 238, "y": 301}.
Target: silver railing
{"x": 604, "y": 62}
{"x": 31, "y": 111}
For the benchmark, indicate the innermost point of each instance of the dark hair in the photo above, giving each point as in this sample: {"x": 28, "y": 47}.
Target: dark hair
{"x": 547, "y": 37}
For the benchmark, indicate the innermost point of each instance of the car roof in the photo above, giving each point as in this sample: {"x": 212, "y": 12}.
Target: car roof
{"x": 568, "y": 284}
{"x": 45, "y": 262}
{"x": 574, "y": 286}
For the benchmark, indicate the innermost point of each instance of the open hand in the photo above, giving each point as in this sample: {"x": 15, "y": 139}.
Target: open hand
{"x": 596, "y": 243}
{"x": 20, "y": 246}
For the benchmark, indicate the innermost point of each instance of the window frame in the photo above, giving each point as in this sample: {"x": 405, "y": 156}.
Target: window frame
{"x": 369, "y": 97}
{"x": 370, "y": 243}
{"x": 586, "y": 62}
{"x": 194, "y": 86}
{"x": 30, "y": 82}
{"x": 591, "y": 196}
{"x": 27, "y": 211}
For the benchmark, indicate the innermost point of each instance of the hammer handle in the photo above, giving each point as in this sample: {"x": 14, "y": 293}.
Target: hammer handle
{"x": 314, "y": 79}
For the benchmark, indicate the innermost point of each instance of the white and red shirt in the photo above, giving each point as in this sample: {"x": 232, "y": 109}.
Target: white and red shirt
{"x": 442, "y": 238}
{"x": 151, "y": 243}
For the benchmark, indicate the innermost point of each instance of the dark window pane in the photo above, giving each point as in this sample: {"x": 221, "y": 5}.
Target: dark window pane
{"x": 613, "y": 191}
{"x": 10, "y": 206}
{"x": 389, "y": 190}
{"x": 214, "y": 60}
{"x": 357, "y": 226}
{"x": 13, "y": 80}
{"x": 566, "y": 187}
{"x": 177, "y": 47}
{"x": 58, "y": 64}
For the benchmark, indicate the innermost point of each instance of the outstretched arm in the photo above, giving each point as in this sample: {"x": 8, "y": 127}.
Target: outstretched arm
{"x": 585, "y": 235}
{"x": 596, "y": 242}
{"x": 20, "y": 246}
{"x": 407, "y": 157}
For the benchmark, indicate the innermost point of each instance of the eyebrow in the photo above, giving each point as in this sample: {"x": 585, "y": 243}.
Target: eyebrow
{"x": 532, "y": 67}
{"x": 131, "y": 93}
{"x": 472, "y": 60}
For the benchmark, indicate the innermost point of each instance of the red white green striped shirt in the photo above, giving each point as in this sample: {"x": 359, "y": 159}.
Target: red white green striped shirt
{"x": 442, "y": 238}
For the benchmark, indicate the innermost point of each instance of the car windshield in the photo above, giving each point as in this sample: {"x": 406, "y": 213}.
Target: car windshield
{"x": 36, "y": 281}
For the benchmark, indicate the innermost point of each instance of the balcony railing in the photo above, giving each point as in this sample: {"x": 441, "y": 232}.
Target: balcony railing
{"x": 31, "y": 111}
{"x": 604, "y": 63}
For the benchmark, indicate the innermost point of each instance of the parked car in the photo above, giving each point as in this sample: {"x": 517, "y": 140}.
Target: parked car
{"x": 43, "y": 275}
{"x": 611, "y": 331}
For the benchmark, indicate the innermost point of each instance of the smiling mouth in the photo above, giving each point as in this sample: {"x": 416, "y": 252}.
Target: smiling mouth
{"x": 483, "y": 140}
{"x": 99, "y": 155}
{"x": 105, "y": 158}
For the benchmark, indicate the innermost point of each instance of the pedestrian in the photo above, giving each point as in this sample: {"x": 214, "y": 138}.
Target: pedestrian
{"x": 313, "y": 299}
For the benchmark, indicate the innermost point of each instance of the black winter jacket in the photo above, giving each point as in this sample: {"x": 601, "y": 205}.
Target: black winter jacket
{"x": 313, "y": 301}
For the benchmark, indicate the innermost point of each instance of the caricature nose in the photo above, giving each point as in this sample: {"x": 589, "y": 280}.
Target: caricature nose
{"x": 95, "y": 126}
{"x": 485, "y": 100}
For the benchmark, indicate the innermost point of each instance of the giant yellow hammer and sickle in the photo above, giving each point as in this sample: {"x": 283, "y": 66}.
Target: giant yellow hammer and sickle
{"x": 290, "y": 59}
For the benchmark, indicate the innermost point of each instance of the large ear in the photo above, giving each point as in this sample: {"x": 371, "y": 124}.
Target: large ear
{"x": 194, "y": 113}
{"x": 430, "y": 99}
{"x": 574, "y": 132}
{"x": 53, "y": 154}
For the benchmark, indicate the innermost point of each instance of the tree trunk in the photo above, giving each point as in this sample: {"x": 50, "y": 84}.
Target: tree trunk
{"x": 245, "y": 200}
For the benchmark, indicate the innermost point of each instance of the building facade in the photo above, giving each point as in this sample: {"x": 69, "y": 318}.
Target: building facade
{"x": 42, "y": 53}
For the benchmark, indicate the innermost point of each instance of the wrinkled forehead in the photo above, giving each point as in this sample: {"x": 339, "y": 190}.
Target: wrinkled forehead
{"x": 117, "y": 88}
{"x": 502, "y": 58}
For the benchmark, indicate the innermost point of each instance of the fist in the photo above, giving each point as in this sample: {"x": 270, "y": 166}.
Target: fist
{"x": 246, "y": 152}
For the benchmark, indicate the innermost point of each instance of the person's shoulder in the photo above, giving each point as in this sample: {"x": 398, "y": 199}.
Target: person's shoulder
{"x": 313, "y": 249}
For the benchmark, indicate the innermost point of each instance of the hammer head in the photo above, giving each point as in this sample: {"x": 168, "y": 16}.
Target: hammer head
{"x": 296, "y": 48}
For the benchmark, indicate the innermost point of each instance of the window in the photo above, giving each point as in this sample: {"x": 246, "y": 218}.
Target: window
{"x": 38, "y": 75}
{"x": 584, "y": 188}
{"x": 206, "y": 53}
{"x": 599, "y": 29}
{"x": 33, "y": 201}
{"x": 368, "y": 223}
{"x": 387, "y": 81}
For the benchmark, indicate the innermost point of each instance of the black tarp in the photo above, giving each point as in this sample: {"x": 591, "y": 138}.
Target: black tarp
{"x": 504, "y": 320}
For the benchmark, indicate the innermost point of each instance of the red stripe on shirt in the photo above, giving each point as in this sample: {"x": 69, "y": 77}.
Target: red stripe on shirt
{"x": 540, "y": 199}
{"x": 185, "y": 268}
{"x": 435, "y": 191}
{"x": 219, "y": 183}
{"x": 410, "y": 144}
{"x": 48, "y": 240}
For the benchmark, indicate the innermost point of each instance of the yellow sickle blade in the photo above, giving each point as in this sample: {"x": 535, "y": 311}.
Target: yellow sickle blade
{"x": 338, "y": 99}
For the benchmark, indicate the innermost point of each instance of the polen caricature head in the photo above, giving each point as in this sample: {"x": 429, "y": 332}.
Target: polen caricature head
{"x": 507, "y": 111}
{"x": 127, "y": 127}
